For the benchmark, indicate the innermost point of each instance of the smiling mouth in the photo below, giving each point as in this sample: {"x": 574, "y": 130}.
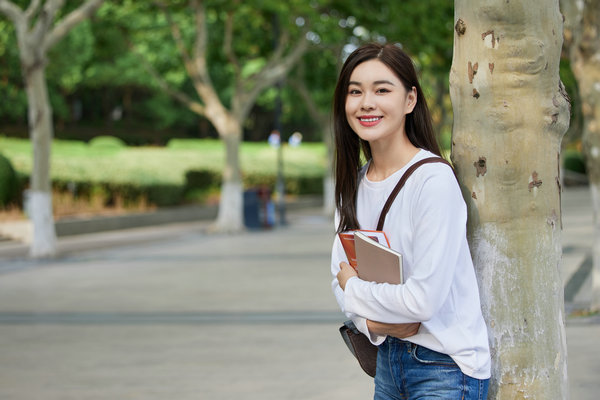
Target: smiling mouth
{"x": 369, "y": 119}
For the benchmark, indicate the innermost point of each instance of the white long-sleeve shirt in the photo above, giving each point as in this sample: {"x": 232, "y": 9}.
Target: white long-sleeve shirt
{"x": 427, "y": 225}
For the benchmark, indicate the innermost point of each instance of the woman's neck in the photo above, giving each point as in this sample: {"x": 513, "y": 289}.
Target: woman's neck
{"x": 387, "y": 159}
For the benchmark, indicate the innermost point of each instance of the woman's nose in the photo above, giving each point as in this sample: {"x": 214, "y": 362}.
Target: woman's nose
{"x": 367, "y": 103}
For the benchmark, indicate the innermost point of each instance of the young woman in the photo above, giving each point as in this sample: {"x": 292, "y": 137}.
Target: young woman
{"x": 431, "y": 335}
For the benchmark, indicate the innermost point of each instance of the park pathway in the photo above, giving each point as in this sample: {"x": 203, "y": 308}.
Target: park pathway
{"x": 171, "y": 312}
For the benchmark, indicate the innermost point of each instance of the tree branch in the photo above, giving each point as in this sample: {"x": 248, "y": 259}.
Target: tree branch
{"x": 43, "y": 24}
{"x": 178, "y": 95}
{"x": 198, "y": 71}
{"x": 275, "y": 70}
{"x": 228, "y": 46}
{"x": 201, "y": 41}
{"x": 176, "y": 34}
{"x": 316, "y": 114}
{"x": 76, "y": 16}
{"x": 12, "y": 11}
{"x": 32, "y": 9}
{"x": 277, "y": 55}
{"x": 196, "y": 67}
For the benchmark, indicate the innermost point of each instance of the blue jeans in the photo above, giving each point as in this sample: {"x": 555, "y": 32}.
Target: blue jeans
{"x": 406, "y": 371}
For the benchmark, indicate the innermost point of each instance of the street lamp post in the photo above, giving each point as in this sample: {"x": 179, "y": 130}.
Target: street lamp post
{"x": 280, "y": 184}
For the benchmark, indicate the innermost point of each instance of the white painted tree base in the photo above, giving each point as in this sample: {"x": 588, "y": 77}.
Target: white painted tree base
{"x": 39, "y": 209}
{"x": 231, "y": 209}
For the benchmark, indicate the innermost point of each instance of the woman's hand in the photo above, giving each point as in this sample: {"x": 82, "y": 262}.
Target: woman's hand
{"x": 400, "y": 331}
{"x": 346, "y": 272}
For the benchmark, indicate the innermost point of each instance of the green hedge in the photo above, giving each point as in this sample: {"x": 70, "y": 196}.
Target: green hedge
{"x": 573, "y": 161}
{"x": 183, "y": 171}
{"x": 198, "y": 184}
{"x": 129, "y": 194}
{"x": 9, "y": 183}
{"x": 112, "y": 142}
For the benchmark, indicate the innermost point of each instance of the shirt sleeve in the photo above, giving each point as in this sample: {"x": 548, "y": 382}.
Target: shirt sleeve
{"x": 338, "y": 255}
{"x": 438, "y": 220}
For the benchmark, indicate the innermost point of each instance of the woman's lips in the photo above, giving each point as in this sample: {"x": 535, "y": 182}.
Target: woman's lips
{"x": 369, "y": 120}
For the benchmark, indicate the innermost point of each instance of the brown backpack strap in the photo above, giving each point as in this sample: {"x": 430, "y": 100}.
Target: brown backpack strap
{"x": 401, "y": 183}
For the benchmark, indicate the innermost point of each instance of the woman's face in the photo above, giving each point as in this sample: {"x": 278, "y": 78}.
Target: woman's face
{"x": 377, "y": 102}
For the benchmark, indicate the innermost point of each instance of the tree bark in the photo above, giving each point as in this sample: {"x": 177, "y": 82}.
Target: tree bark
{"x": 510, "y": 113}
{"x": 583, "y": 20}
{"x": 230, "y": 217}
{"x": 39, "y": 197}
{"x": 34, "y": 40}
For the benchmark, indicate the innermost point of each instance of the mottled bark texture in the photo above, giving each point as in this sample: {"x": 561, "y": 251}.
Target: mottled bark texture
{"x": 510, "y": 114}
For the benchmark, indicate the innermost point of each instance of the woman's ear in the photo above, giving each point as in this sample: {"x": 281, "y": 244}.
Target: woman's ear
{"x": 411, "y": 100}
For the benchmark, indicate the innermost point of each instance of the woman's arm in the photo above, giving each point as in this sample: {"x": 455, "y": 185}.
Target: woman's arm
{"x": 400, "y": 331}
{"x": 438, "y": 219}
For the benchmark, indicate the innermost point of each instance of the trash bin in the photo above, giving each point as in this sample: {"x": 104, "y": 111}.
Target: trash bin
{"x": 259, "y": 211}
{"x": 252, "y": 209}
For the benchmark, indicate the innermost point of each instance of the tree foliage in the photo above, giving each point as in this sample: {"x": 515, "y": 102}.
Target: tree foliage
{"x": 95, "y": 70}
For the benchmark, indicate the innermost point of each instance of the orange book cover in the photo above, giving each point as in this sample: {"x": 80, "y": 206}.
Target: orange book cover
{"x": 347, "y": 239}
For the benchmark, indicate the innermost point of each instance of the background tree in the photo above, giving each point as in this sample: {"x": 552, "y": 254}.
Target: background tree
{"x": 38, "y": 28}
{"x": 116, "y": 81}
{"x": 510, "y": 114}
{"x": 251, "y": 66}
{"x": 582, "y": 33}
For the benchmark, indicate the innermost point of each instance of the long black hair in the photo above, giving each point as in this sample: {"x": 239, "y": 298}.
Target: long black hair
{"x": 348, "y": 145}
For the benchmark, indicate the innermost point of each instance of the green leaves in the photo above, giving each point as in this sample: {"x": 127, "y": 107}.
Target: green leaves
{"x": 104, "y": 55}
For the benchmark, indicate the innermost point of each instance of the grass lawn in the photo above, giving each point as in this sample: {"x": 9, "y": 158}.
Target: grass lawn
{"x": 81, "y": 162}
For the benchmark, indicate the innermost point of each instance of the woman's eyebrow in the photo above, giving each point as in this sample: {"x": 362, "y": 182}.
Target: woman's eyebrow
{"x": 380, "y": 82}
{"x": 384, "y": 82}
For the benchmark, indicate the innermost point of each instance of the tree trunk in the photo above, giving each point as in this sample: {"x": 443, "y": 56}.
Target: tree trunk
{"x": 39, "y": 197}
{"x": 231, "y": 216}
{"x": 510, "y": 113}
{"x": 585, "y": 63}
{"x": 34, "y": 40}
{"x": 328, "y": 177}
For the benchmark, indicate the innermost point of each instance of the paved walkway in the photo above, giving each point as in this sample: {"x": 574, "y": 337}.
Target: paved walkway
{"x": 173, "y": 313}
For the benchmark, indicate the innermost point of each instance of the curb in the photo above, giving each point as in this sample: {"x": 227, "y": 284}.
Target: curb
{"x": 21, "y": 230}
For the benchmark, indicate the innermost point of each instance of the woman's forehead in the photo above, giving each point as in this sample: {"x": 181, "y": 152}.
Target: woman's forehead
{"x": 372, "y": 71}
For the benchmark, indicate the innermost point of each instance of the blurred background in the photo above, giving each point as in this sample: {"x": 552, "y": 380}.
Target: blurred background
{"x": 122, "y": 97}
{"x": 153, "y": 107}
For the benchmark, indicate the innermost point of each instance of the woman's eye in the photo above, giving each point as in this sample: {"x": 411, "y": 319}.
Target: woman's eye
{"x": 354, "y": 91}
{"x": 383, "y": 90}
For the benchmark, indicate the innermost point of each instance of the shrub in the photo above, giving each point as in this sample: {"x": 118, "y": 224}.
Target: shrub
{"x": 251, "y": 180}
{"x": 573, "y": 161}
{"x": 296, "y": 185}
{"x": 206, "y": 180}
{"x": 202, "y": 179}
{"x": 125, "y": 194}
{"x": 164, "y": 195}
{"x": 107, "y": 142}
{"x": 9, "y": 183}
{"x": 305, "y": 185}
{"x": 107, "y": 173}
